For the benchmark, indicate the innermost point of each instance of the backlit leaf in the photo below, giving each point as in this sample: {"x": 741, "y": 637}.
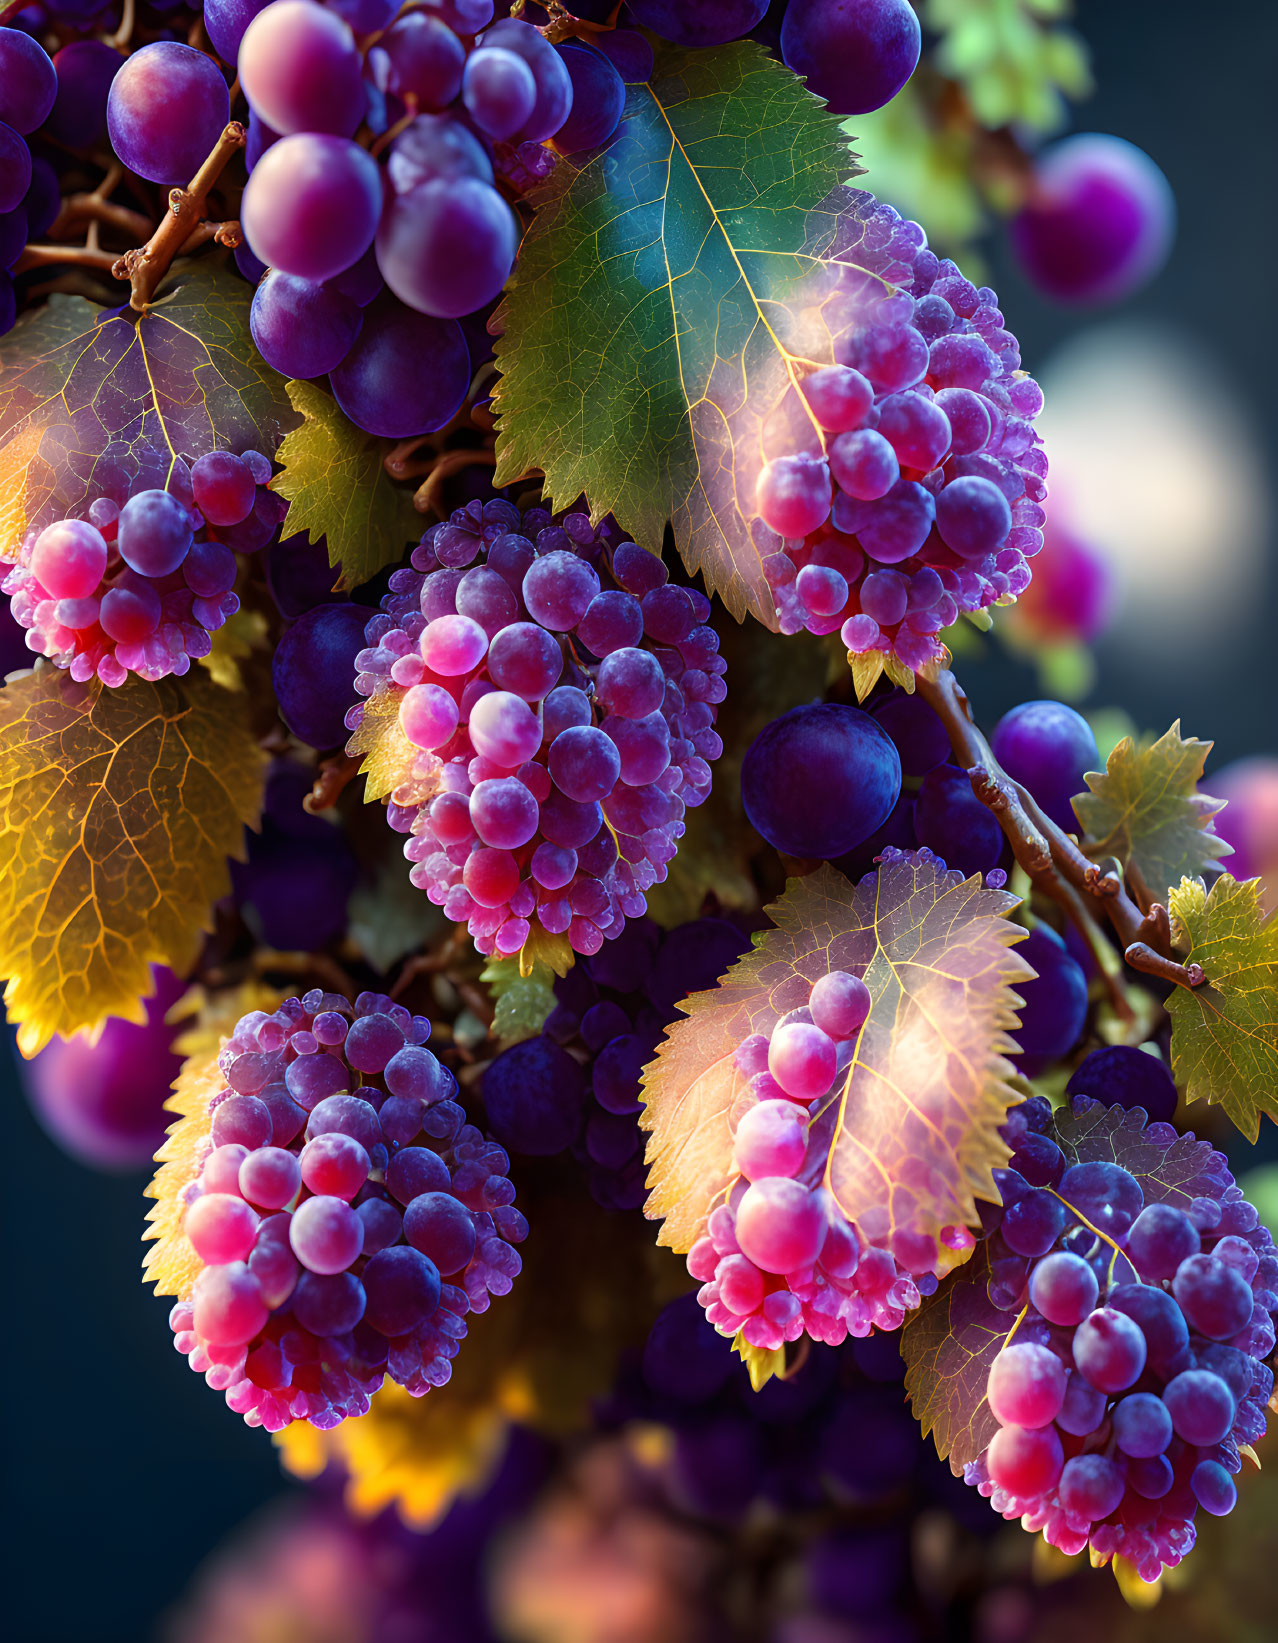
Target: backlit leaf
{"x": 662, "y": 295}
{"x": 522, "y": 1002}
{"x": 761, "y": 1363}
{"x": 388, "y": 759}
{"x": 1225, "y": 1033}
{"x": 99, "y": 402}
{"x": 337, "y": 487}
{"x": 954, "y": 1337}
{"x": 118, "y": 810}
{"x": 1145, "y": 808}
{"x": 917, "y": 1131}
{"x": 592, "y": 1284}
{"x": 234, "y": 642}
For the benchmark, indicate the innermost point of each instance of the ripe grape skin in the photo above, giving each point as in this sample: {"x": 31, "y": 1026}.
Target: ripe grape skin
{"x": 699, "y": 22}
{"x": 302, "y": 328}
{"x": 300, "y": 70}
{"x": 226, "y": 21}
{"x": 1091, "y": 1487}
{"x": 1160, "y": 1239}
{"x": 818, "y": 780}
{"x": 1054, "y": 1007}
{"x": 1026, "y": 1386}
{"x": 1047, "y": 746}
{"x": 426, "y": 60}
{"x": 534, "y": 1094}
{"x": 446, "y": 247}
{"x": 554, "y": 86}
{"x": 312, "y": 203}
{"x": 85, "y": 71}
{"x": 780, "y": 1225}
{"x": 598, "y": 97}
{"x": 1214, "y": 1489}
{"x": 1215, "y": 1298}
{"x": 1201, "y": 1406}
{"x": 1109, "y": 1350}
{"x": 857, "y": 54}
{"x": 28, "y": 82}
{"x": 950, "y": 819}
{"x": 1099, "y": 222}
{"x": 1123, "y": 1076}
{"x": 499, "y": 91}
{"x": 1142, "y": 1426}
{"x": 1025, "y": 1463}
{"x": 167, "y": 107}
{"x": 1063, "y": 1288}
{"x": 405, "y": 375}
{"x": 314, "y": 671}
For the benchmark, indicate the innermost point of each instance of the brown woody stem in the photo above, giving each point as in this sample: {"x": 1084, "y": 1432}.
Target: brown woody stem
{"x": 1049, "y": 856}
{"x": 77, "y": 207}
{"x": 426, "y": 496}
{"x": 84, "y": 256}
{"x": 333, "y": 777}
{"x": 147, "y": 266}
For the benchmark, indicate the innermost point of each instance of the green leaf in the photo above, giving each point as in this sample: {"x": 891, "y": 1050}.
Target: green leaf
{"x": 1145, "y": 808}
{"x": 661, "y": 296}
{"x": 1225, "y": 1033}
{"x": 954, "y": 1337}
{"x": 91, "y": 399}
{"x": 915, "y": 1137}
{"x": 388, "y": 917}
{"x": 922, "y": 166}
{"x": 523, "y": 1002}
{"x": 118, "y": 809}
{"x": 337, "y": 487}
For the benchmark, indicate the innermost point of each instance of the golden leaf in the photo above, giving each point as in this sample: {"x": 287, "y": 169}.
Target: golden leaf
{"x": 916, "y": 1136}
{"x": 761, "y": 1363}
{"x": 119, "y": 808}
{"x": 15, "y": 474}
{"x": 234, "y": 642}
{"x": 389, "y": 759}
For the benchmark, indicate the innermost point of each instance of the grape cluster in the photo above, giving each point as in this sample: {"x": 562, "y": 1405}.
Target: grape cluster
{"x": 346, "y": 1215}
{"x": 560, "y": 696}
{"x": 1136, "y": 1370}
{"x": 139, "y": 584}
{"x": 921, "y": 497}
{"x": 578, "y": 1083}
{"x": 779, "y": 1258}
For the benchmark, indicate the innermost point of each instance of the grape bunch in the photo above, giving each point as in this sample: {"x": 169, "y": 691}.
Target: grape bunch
{"x": 559, "y": 701}
{"x": 779, "y": 1258}
{"x": 920, "y": 493}
{"x": 577, "y": 1084}
{"x": 346, "y": 1217}
{"x": 140, "y": 584}
{"x": 1136, "y": 1370}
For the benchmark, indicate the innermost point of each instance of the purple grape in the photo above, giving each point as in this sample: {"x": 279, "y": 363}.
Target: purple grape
{"x": 857, "y": 54}
{"x": 1214, "y": 1296}
{"x": 1054, "y": 1007}
{"x": 328, "y": 1303}
{"x": 499, "y": 91}
{"x": 628, "y": 52}
{"x": 598, "y": 98}
{"x": 154, "y": 533}
{"x": 554, "y": 87}
{"x": 950, "y": 819}
{"x": 1047, "y": 746}
{"x": 414, "y": 1171}
{"x": 819, "y": 780}
{"x": 1063, "y": 1287}
{"x": 301, "y": 72}
{"x": 312, "y": 203}
{"x": 436, "y": 146}
{"x": 1109, "y": 1350}
{"x": 85, "y": 70}
{"x": 1214, "y": 1489}
{"x": 167, "y": 107}
{"x": 226, "y": 21}
{"x": 1109, "y": 1196}
{"x": 28, "y": 82}
{"x": 920, "y": 737}
{"x": 442, "y": 1228}
{"x": 402, "y": 1288}
{"x": 1142, "y": 1426}
{"x": 406, "y": 374}
{"x": 1201, "y": 1406}
{"x": 1091, "y": 1487}
{"x": 447, "y": 246}
{"x": 533, "y": 1095}
{"x": 301, "y": 328}
{"x": 1160, "y": 1239}
{"x": 1160, "y": 1320}
{"x": 1122, "y": 1076}
{"x": 699, "y": 22}
{"x": 426, "y": 60}
{"x": 313, "y": 672}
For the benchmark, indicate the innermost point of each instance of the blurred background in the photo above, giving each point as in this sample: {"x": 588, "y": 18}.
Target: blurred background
{"x": 125, "y": 1474}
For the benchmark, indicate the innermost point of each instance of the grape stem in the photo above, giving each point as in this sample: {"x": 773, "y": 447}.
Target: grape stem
{"x": 145, "y": 267}
{"x": 1047, "y": 853}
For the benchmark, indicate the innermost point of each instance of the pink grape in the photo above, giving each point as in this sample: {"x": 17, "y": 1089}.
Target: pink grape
{"x": 269, "y": 1177}
{"x": 1063, "y": 1288}
{"x": 840, "y": 1004}
{"x": 771, "y": 1139}
{"x": 1109, "y": 1350}
{"x": 504, "y": 728}
{"x": 301, "y": 71}
{"x": 794, "y": 494}
{"x": 802, "y": 1060}
{"x": 69, "y": 559}
{"x": 780, "y": 1225}
{"x": 839, "y": 397}
{"x": 326, "y": 1234}
{"x": 229, "y": 1308}
{"x": 221, "y": 1172}
{"x": 334, "y": 1164}
{"x": 453, "y": 645}
{"x": 1025, "y": 1463}
{"x": 1026, "y": 1385}
{"x": 221, "y": 1228}
{"x": 428, "y": 716}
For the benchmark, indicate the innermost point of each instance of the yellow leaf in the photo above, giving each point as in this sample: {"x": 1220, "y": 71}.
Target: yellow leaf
{"x": 1225, "y": 1033}
{"x": 545, "y": 951}
{"x": 337, "y": 487}
{"x": 916, "y": 1135}
{"x": 1137, "y": 1593}
{"x": 592, "y": 1283}
{"x": 761, "y": 1363}
{"x": 170, "y": 1263}
{"x": 1145, "y": 808}
{"x": 15, "y": 473}
{"x": 390, "y": 760}
{"x": 234, "y": 642}
{"x": 118, "y": 809}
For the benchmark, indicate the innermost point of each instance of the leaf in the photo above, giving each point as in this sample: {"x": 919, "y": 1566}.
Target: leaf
{"x": 917, "y": 1131}
{"x": 389, "y": 759}
{"x": 663, "y": 292}
{"x": 522, "y": 1002}
{"x": 170, "y": 1263}
{"x": 234, "y": 642}
{"x": 1145, "y": 808}
{"x": 954, "y": 1337}
{"x": 591, "y": 1287}
{"x": 760, "y": 1363}
{"x": 337, "y": 487}
{"x": 1225, "y": 1033}
{"x": 545, "y": 951}
{"x": 118, "y": 809}
{"x": 388, "y": 917}
{"x": 100, "y": 401}
{"x": 922, "y": 165}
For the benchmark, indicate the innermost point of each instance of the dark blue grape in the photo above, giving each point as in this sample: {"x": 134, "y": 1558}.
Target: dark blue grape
{"x": 818, "y": 781}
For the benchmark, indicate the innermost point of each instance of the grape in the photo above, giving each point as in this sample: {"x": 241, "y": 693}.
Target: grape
{"x": 920, "y": 738}
{"x": 780, "y": 1225}
{"x": 154, "y": 533}
{"x": 771, "y": 1139}
{"x": 326, "y": 1235}
{"x": 1160, "y": 1239}
{"x": 104, "y": 1103}
{"x": 499, "y": 91}
{"x": 229, "y": 1309}
{"x": 1063, "y": 1288}
{"x": 313, "y": 672}
{"x": 167, "y": 107}
{"x": 1214, "y": 1489}
{"x": 328, "y": 1304}
{"x": 1126, "y": 1077}
{"x": 819, "y": 779}
{"x": 533, "y": 1095}
{"x": 442, "y": 1229}
{"x": 865, "y": 465}
{"x": 403, "y": 1289}
{"x": 1214, "y": 1296}
{"x": 85, "y": 70}
{"x": 1109, "y": 1196}
{"x": 269, "y": 1177}
{"x": 1026, "y": 1386}
{"x": 301, "y": 72}
{"x": 1025, "y": 1463}
{"x": 302, "y": 328}
{"x": 1047, "y": 746}
{"x": 950, "y": 819}
{"x": 221, "y": 1228}
{"x": 428, "y": 716}
{"x": 426, "y": 60}
{"x": 69, "y": 559}
{"x": 226, "y": 21}
{"x": 300, "y": 869}
{"x": 598, "y": 98}
{"x": 1091, "y": 1487}
{"x": 406, "y": 374}
{"x": 554, "y": 87}
{"x": 698, "y": 22}
{"x": 1054, "y": 1004}
{"x": 335, "y": 1165}
{"x": 584, "y": 764}
{"x": 223, "y": 488}
{"x": 794, "y": 494}
{"x": 628, "y": 52}
{"x": 1033, "y": 1224}
{"x": 857, "y": 54}
{"x": 436, "y": 147}
{"x": 1083, "y": 1407}
{"x": 558, "y": 589}
{"x": 1201, "y": 1406}
{"x": 972, "y": 516}
{"x": 243, "y": 1120}
{"x": 1109, "y": 1350}
{"x": 1098, "y": 223}
{"x": 1142, "y": 1426}
{"x": 312, "y": 203}
{"x": 1151, "y": 1479}
{"x": 802, "y": 1060}
{"x": 446, "y": 247}
{"x": 839, "y": 1004}
{"x": 1160, "y": 1320}
{"x": 28, "y": 83}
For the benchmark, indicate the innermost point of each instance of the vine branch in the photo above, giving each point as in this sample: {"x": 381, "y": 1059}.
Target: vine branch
{"x": 145, "y": 267}
{"x": 1047, "y": 853}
